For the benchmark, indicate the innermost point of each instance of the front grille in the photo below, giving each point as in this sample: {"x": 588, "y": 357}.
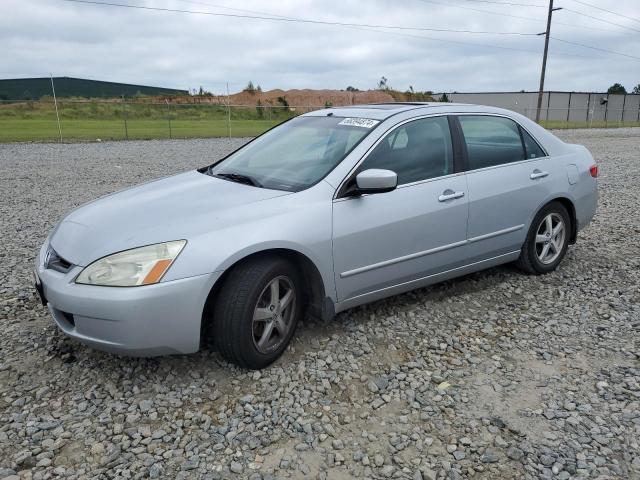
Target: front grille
{"x": 56, "y": 262}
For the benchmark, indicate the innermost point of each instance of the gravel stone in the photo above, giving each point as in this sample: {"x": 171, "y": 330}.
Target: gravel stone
{"x": 489, "y": 456}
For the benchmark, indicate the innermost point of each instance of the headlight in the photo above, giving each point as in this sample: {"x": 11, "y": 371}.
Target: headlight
{"x": 139, "y": 266}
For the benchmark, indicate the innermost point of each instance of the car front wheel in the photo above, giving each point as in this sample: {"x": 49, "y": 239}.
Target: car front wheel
{"x": 547, "y": 240}
{"x": 257, "y": 310}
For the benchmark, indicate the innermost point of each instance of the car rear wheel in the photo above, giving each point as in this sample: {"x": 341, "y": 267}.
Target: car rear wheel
{"x": 257, "y": 310}
{"x": 547, "y": 240}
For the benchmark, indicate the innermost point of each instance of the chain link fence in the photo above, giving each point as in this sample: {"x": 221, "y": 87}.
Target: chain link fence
{"x": 129, "y": 120}
{"x": 564, "y": 109}
{"x": 91, "y": 120}
{"x": 562, "y": 118}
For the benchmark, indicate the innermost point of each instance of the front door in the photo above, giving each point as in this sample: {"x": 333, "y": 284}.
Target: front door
{"x": 416, "y": 230}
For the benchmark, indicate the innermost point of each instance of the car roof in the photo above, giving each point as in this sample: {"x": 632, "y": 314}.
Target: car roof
{"x": 382, "y": 111}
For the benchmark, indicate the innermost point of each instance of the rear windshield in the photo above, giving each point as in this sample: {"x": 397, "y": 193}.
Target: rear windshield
{"x": 296, "y": 154}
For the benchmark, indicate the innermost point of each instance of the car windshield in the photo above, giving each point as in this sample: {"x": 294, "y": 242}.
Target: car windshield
{"x": 294, "y": 155}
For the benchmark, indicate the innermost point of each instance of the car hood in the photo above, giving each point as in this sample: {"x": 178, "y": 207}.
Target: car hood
{"x": 172, "y": 208}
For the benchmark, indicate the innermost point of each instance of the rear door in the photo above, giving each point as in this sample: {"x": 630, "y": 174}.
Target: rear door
{"x": 508, "y": 176}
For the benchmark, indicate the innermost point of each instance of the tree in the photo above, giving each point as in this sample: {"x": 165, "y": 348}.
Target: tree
{"x": 250, "y": 87}
{"x": 383, "y": 83}
{"x": 617, "y": 88}
{"x": 352, "y": 89}
{"x": 204, "y": 93}
{"x": 444, "y": 98}
{"x": 283, "y": 101}
{"x": 636, "y": 89}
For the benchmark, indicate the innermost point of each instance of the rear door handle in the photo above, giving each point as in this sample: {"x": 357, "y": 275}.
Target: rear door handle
{"x": 449, "y": 195}
{"x": 538, "y": 174}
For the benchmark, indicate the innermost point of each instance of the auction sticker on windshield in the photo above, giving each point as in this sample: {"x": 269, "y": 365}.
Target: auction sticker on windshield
{"x": 359, "y": 122}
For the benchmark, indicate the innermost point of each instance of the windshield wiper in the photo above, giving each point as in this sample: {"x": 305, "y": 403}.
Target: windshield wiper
{"x": 239, "y": 178}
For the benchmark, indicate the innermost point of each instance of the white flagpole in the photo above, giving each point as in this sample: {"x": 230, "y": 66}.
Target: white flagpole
{"x": 55, "y": 101}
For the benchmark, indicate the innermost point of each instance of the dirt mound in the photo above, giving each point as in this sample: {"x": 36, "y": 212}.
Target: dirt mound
{"x": 310, "y": 98}
{"x": 294, "y": 98}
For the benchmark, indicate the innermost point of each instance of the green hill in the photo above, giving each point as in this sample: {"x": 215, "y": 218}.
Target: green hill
{"x": 35, "y": 88}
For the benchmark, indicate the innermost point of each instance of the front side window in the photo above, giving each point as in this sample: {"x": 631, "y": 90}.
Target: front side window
{"x": 491, "y": 140}
{"x": 417, "y": 150}
{"x": 296, "y": 154}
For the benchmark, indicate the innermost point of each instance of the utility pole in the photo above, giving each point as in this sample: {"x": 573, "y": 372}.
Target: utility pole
{"x": 544, "y": 58}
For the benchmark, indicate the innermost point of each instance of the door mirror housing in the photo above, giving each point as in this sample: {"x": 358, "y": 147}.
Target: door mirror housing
{"x": 376, "y": 180}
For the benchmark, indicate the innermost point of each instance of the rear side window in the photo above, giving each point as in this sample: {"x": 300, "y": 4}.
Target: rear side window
{"x": 491, "y": 140}
{"x": 531, "y": 147}
{"x": 416, "y": 151}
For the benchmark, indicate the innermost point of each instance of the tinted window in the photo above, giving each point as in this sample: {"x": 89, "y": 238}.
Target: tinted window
{"x": 491, "y": 140}
{"x": 531, "y": 146}
{"x": 416, "y": 151}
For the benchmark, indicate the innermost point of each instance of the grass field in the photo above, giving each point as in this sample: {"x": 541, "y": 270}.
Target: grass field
{"x": 90, "y": 120}
{"x": 21, "y": 130}
{"x": 36, "y": 121}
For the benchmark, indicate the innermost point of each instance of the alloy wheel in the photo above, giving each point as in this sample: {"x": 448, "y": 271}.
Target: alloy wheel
{"x": 550, "y": 238}
{"x": 273, "y": 314}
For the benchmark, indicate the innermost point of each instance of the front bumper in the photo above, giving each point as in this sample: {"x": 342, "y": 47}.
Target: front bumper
{"x": 151, "y": 320}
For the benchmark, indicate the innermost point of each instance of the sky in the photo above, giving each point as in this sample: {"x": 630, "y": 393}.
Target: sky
{"x": 187, "y": 50}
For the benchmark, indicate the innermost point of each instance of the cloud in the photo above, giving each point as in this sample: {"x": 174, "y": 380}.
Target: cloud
{"x": 183, "y": 50}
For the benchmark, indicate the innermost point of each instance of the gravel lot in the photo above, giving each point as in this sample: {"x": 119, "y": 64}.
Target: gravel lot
{"x": 494, "y": 375}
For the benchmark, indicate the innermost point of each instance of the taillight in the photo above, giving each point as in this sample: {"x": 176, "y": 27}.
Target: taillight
{"x": 593, "y": 170}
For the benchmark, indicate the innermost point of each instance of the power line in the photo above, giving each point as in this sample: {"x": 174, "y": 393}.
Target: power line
{"x": 479, "y": 10}
{"x": 502, "y": 14}
{"x": 601, "y": 19}
{"x": 368, "y": 27}
{"x": 475, "y": 44}
{"x": 494, "y": 2}
{"x": 407, "y": 35}
{"x": 423, "y": 37}
{"x": 401, "y": 34}
{"x": 294, "y": 20}
{"x": 594, "y": 48}
{"x": 605, "y": 10}
{"x": 195, "y": 2}
{"x": 512, "y": 4}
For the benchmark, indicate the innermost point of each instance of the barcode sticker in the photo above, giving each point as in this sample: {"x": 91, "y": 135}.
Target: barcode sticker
{"x": 359, "y": 122}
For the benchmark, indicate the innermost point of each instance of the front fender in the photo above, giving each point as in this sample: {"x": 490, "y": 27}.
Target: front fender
{"x": 323, "y": 265}
{"x": 301, "y": 223}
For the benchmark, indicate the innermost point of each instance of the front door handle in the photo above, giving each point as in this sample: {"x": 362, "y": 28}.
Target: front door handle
{"x": 538, "y": 174}
{"x": 449, "y": 195}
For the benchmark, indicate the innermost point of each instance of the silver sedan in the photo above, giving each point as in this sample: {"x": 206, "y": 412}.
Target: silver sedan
{"x": 327, "y": 211}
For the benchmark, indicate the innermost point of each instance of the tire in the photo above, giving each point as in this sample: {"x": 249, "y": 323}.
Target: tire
{"x": 539, "y": 257}
{"x": 249, "y": 293}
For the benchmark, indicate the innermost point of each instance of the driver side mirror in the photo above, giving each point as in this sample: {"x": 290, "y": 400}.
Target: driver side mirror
{"x": 376, "y": 180}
